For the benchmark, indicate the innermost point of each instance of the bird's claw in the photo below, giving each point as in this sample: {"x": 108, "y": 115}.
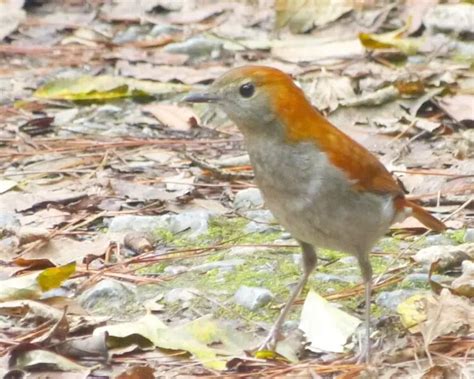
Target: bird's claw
{"x": 267, "y": 348}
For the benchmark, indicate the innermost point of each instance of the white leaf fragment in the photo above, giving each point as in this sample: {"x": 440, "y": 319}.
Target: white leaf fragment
{"x": 326, "y": 327}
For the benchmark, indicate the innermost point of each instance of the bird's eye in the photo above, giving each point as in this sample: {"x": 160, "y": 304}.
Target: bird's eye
{"x": 247, "y": 90}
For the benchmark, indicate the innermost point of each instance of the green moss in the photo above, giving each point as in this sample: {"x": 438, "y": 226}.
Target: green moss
{"x": 458, "y": 235}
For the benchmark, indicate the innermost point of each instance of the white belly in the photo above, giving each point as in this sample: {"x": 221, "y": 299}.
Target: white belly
{"x": 314, "y": 201}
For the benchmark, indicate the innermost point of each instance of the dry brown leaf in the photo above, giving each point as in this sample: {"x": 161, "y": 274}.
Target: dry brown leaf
{"x": 174, "y": 116}
{"x": 303, "y": 15}
{"x": 459, "y": 107}
{"x": 61, "y": 251}
{"x": 447, "y": 314}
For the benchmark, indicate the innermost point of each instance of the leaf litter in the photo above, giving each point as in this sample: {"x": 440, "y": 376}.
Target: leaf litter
{"x": 106, "y": 178}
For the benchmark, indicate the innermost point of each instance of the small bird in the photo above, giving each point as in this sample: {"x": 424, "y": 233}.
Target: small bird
{"x": 323, "y": 187}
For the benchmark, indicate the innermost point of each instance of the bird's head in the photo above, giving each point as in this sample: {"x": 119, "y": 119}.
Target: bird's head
{"x": 254, "y": 97}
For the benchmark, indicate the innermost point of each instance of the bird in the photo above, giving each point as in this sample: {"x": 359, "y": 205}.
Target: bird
{"x": 324, "y": 188}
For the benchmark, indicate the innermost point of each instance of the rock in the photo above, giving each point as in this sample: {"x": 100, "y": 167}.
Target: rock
{"x": 420, "y": 278}
{"x": 8, "y": 221}
{"x": 139, "y": 224}
{"x": 448, "y": 256}
{"x": 263, "y": 221}
{"x": 464, "y": 285}
{"x": 391, "y": 299}
{"x": 175, "y": 270}
{"x": 194, "y": 222}
{"x": 469, "y": 235}
{"x": 166, "y": 29}
{"x": 107, "y": 295}
{"x": 438, "y": 240}
{"x": 250, "y": 198}
{"x": 327, "y": 278}
{"x": 450, "y": 18}
{"x": 286, "y": 236}
{"x": 224, "y": 266}
{"x": 349, "y": 260}
{"x": 252, "y": 298}
{"x": 238, "y": 251}
{"x": 8, "y": 246}
{"x": 183, "y": 295}
{"x": 196, "y": 47}
{"x": 297, "y": 259}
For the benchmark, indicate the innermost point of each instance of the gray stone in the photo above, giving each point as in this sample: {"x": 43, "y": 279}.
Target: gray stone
{"x": 326, "y": 278}
{"x": 160, "y": 29}
{"x": 469, "y": 236}
{"x": 8, "y": 221}
{"x": 349, "y": 260}
{"x": 238, "y": 251}
{"x": 196, "y": 47}
{"x": 107, "y": 294}
{"x": 447, "y": 256}
{"x": 224, "y": 266}
{"x": 391, "y": 299}
{"x": 286, "y": 236}
{"x": 183, "y": 295}
{"x": 439, "y": 240}
{"x": 420, "y": 278}
{"x": 193, "y": 222}
{"x": 196, "y": 222}
{"x": 252, "y": 298}
{"x": 175, "y": 270}
{"x": 263, "y": 221}
{"x": 450, "y": 18}
{"x": 250, "y": 198}
{"x": 297, "y": 259}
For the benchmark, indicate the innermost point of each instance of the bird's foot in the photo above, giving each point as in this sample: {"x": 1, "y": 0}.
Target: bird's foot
{"x": 364, "y": 354}
{"x": 267, "y": 348}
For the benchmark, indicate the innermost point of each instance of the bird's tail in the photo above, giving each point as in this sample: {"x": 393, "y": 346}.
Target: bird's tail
{"x": 424, "y": 217}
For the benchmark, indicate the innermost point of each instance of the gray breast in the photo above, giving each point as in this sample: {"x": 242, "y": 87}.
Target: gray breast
{"x": 314, "y": 200}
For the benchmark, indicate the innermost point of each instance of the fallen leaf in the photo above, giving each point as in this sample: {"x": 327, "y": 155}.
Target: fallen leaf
{"x": 459, "y": 107}
{"x": 32, "y": 285}
{"x": 105, "y": 87}
{"x": 200, "y": 14}
{"x": 303, "y": 15}
{"x": 11, "y": 14}
{"x": 42, "y": 359}
{"x": 326, "y": 327}
{"x": 141, "y": 192}
{"x": 174, "y": 116}
{"x": 390, "y": 40}
{"x": 308, "y": 49}
{"x": 53, "y": 277}
{"x": 412, "y": 311}
{"x": 7, "y": 185}
{"x": 464, "y": 285}
{"x": 328, "y": 90}
{"x": 447, "y": 314}
{"x": 208, "y": 340}
{"x": 378, "y": 97}
{"x": 61, "y": 251}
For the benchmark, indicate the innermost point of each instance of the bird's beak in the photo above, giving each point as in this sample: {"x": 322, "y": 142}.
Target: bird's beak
{"x": 202, "y": 97}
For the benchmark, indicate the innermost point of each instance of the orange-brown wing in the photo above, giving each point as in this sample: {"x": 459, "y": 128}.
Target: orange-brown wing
{"x": 359, "y": 164}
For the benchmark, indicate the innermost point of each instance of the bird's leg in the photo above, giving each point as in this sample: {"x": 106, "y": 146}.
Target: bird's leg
{"x": 366, "y": 269}
{"x": 309, "y": 263}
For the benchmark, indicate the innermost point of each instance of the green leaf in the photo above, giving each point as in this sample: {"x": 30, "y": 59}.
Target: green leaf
{"x": 105, "y": 87}
{"x": 208, "y": 340}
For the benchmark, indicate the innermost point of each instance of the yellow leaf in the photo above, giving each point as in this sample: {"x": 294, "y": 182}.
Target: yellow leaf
{"x": 412, "y": 311}
{"x": 54, "y": 276}
{"x": 390, "y": 40}
{"x": 104, "y": 87}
